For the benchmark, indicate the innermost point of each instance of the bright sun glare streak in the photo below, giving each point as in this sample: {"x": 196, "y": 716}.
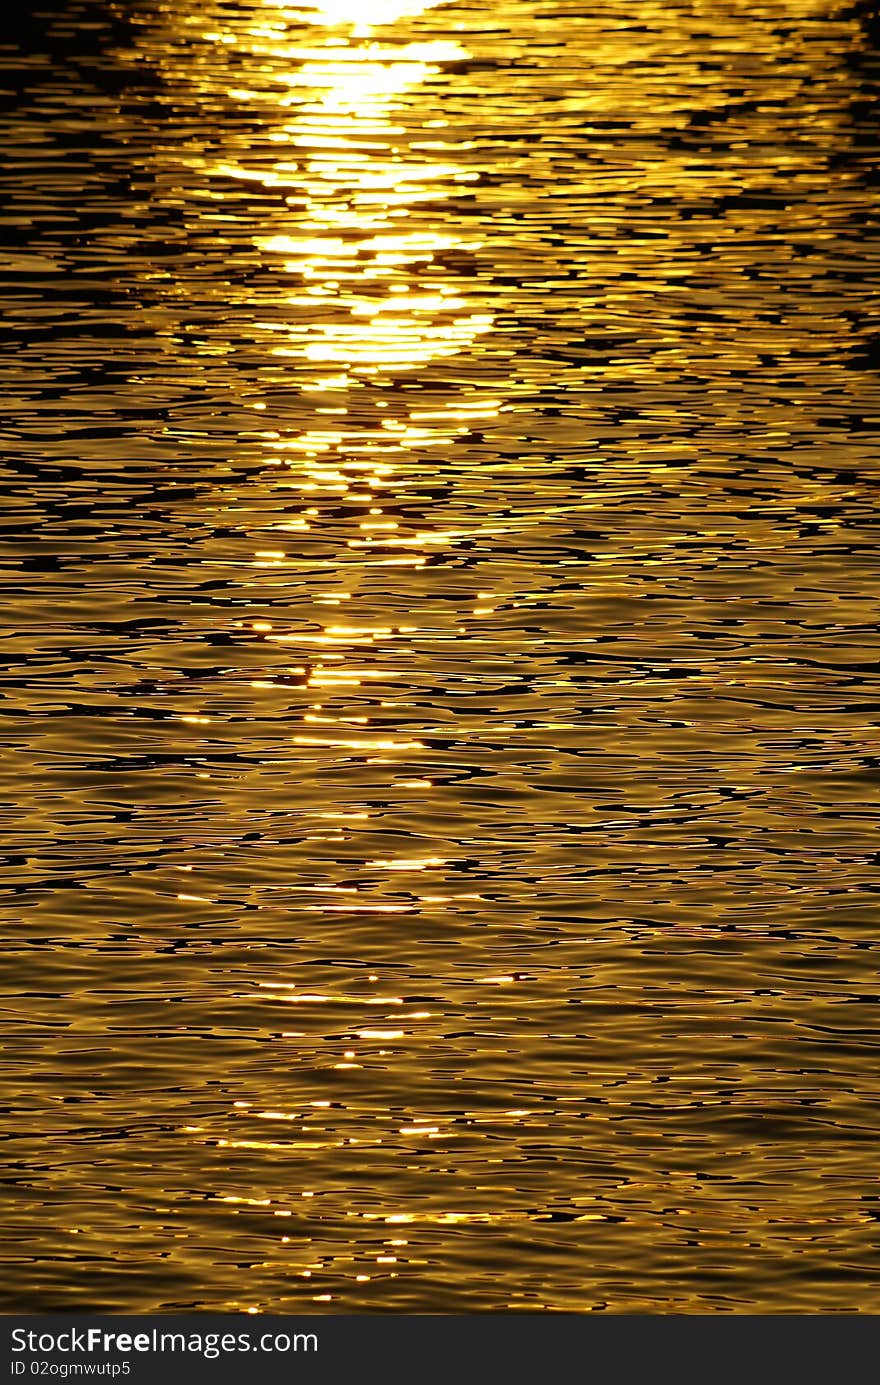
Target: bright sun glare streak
{"x": 362, "y": 13}
{"x": 371, "y": 277}
{"x": 352, "y": 253}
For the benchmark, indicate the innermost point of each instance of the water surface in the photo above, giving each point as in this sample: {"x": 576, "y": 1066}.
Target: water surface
{"x": 439, "y": 681}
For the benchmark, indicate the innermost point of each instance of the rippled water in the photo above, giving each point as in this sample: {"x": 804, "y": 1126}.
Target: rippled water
{"x": 440, "y": 460}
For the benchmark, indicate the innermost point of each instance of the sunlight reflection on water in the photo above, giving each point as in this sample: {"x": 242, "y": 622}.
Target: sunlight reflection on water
{"x": 440, "y": 641}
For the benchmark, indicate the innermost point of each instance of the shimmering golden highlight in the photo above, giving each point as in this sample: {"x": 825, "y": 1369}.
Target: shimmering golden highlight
{"x": 439, "y": 449}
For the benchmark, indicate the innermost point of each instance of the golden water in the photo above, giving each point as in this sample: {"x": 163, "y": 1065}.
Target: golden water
{"x": 438, "y": 498}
